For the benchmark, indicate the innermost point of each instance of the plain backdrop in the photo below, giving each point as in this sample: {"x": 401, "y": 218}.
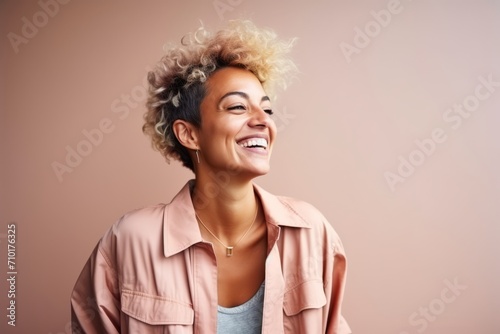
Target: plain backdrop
{"x": 390, "y": 129}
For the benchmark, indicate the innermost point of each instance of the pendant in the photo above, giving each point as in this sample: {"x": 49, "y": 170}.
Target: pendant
{"x": 229, "y": 251}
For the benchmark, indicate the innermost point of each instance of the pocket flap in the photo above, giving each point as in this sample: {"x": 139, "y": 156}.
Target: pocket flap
{"x": 156, "y": 310}
{"x": 306, "y": 295}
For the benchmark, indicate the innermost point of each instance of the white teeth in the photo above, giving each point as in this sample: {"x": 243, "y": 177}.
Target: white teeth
{"x": 261, "y": 142}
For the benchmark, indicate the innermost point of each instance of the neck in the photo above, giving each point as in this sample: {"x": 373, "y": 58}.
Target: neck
{"x": 226, "y": 208}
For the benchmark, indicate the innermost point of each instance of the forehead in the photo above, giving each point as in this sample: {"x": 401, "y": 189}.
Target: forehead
{"x": 230, "y": 79}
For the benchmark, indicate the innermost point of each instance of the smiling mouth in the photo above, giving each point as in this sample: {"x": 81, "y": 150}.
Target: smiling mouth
{"x": 254, "y": 143}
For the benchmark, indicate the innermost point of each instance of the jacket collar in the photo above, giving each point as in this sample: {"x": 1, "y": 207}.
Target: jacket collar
{"x": 181, "y": 230}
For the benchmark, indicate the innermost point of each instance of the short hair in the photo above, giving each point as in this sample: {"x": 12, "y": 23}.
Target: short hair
{"x": 177, "y": 83}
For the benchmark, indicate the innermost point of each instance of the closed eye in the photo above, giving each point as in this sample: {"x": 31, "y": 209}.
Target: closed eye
{"x": 237, "y": 107}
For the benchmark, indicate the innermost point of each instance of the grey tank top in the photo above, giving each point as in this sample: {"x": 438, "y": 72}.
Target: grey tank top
{"x": 243, "y": 319}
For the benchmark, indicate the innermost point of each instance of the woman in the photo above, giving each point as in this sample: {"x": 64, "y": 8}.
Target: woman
{"x": 224, "y": 256}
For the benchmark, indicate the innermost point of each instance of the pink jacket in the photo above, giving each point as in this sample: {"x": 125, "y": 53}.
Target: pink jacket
{"x": 153, "y": 273}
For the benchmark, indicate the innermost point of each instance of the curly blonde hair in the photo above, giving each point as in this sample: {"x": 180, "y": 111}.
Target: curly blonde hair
{"x": 177, "y": 83}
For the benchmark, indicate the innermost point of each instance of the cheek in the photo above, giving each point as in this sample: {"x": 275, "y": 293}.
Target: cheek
{"x": 230, "y": 126}
{"x": 222, "y": 133}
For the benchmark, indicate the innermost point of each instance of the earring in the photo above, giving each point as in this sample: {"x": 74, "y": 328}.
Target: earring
{"x": 197, "y": 155}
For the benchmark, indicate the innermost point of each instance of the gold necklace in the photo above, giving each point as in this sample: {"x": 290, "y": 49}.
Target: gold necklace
{"x": 229, "y": 249}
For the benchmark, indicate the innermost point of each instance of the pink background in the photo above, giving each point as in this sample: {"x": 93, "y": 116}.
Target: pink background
{"x": 344, "y": 124}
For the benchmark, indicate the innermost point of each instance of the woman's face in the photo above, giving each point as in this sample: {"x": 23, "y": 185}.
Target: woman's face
{"x": 236, "y": 132}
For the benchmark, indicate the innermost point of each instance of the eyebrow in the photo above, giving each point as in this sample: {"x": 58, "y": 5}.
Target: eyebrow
{"x": 243, "y": 95}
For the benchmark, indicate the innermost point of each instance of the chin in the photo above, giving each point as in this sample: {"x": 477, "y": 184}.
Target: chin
{"x": 255, "y": 172}
{"x": 262, "y": 171}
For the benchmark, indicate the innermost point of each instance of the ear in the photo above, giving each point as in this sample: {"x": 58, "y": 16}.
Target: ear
{"x": 186, "y": 133}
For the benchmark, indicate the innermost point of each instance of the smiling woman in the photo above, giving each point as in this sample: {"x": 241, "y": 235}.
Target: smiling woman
{"x": 236, "y": 131}
{"x": 224, "y": 256}
{"x": 178, "y": 84}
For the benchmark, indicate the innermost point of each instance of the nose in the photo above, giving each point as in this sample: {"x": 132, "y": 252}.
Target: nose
{"x": 259, "y": 118}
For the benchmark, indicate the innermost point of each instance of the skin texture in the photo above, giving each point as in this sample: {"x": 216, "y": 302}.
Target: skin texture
{"x": 234, "y": 109}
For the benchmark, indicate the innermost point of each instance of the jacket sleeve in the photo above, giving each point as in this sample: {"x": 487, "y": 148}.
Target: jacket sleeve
{"x": 336, "y": 323}
{"x": 95, "y": 301}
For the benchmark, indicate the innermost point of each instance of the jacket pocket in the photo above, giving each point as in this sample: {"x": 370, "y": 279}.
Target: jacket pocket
{"x": 156, "y": 310}
{"x": 306, "y": 295}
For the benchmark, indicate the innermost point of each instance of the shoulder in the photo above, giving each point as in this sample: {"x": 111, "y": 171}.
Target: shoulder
{"x": 319, "y": 228}
{"x": 295, "y": 212}
{"x": 142, "y": 216}
{"x": 303, "y": 209}
{"x": 289, "y": 211}
{"x": 140, "y": 219}
{"x": 311, "y": 244}
{"x": 138, "y": 224}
